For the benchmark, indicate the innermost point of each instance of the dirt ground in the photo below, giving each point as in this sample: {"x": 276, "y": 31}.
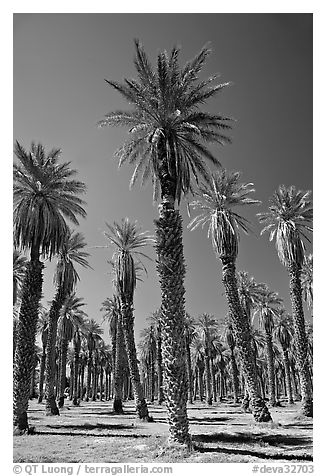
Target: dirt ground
{"x": 221, "y": 433}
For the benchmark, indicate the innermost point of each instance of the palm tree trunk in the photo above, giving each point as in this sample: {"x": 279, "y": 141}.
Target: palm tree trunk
{"x": 41, "y": 381}
{"x": 51, "y": 406}
{"x": 128, "y": 330}
{"x": 25, "y": 347}
{"x": 63, "y": 365}
{"x": 240, "y": 327}
{"x": 101, "y": 383}
{"x": 234, "y": 377}
{"x": 118, "y": 370}
{"x": 171, "y": 270}
{"x": 89, "y": 377}
{"x": 208, "y": 376}
{"x": 301, "y": 341}
{"x": 76, "y": 372}
{"x": 201, "y": 384}
{"x": 270, "y": 369}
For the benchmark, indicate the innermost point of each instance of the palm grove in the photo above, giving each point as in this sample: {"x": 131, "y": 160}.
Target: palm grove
{"x": 260, "y": 352}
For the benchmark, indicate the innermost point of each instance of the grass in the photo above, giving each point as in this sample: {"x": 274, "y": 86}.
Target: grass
{"x": 222, "y": 433}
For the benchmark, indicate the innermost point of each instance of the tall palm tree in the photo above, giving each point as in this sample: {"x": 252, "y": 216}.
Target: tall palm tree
{"x": 267, "y": 309}
{"x": 43, "y": 324}
{"x": 45, "y": 193}
{"x": 19, "y": 267}
{"x": 71, "y": 316}
{"x": 283, "y": 333}
{"x": 288, "y": 220}
{"x": 218, "y": 197}
{"x": 128, "y": 241}
{"x": 307, "y": 280}
{"x": 149, "y": 356}
{"x": 167, "y": 143}
{"x": 71, "y": 252}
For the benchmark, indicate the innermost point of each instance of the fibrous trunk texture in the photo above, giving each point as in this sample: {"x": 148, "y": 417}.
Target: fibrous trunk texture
{"x": 171, "y": 270}
{"x": 189, "y": 373}
{"x": 301, "y": 341}
{"x": 159, "y": 365}
{"x": 270, "y": 369}
{"x": 128, "y": 330}
{"x": 240, "y": 327}
{"x": 50, "y": 367}
{"x": 25, "y": 346}
{"x": 208, "y": 376}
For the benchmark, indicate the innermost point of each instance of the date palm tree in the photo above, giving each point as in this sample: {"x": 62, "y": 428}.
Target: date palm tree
{"x": 72, "y": 252}
{"x": 71, "y": 316}
{"x": 168, "y": 136}
{"x": 228, "y": 337}
{"x": 190, "y": 333}
{"x": 207, "y": 326}
{"x": 45, "y": 194}
{"x": 288, "y": 221}
{"x": 283, "y": 333}
{"x": 155, "y": 320}
{"x": 128, "y": 241}
{"x": 267, "y": 309}
{"x": 42, "y": 324}
{"x": 218, "y": 197}
{"x": 93, "y": 333}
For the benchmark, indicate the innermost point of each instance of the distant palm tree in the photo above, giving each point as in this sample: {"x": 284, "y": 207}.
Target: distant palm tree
{"x": 44, "y": 195}
{"x": 207, "y": 326}
{"x": 19, "y": 267}
{"x": 128, "y": 241}
{"x": 155, "y": 319}
{"x": 229, "y": 339}
{"x": 283, "y": 333}
{"x": 43, "y": 323}
{"x": 71, "y": 316}
{"x": 190, "y": 333}
{"x": 288, "y": 220}
{"x": 218, "y": 197}
{"x": 71, "y": 252}
{"x": 93, "y": 333}
{"x": 168, "y": 134}
{"x": 307, "y": 280}
{"x": 267, "y": 309}
{"x": 148, "y": 347}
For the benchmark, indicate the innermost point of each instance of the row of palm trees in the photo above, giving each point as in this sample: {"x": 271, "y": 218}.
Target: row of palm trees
{"x": 168, "y": 137}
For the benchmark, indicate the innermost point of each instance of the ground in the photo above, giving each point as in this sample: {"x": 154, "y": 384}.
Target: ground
{"x": 221, "y": 433}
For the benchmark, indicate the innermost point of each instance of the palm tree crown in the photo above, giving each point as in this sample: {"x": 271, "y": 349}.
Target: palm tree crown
{"x": 128, "y": 240}
{"x": 288, "y": 219}
{"x": 218, "y": 196}
{"x": 167, "y": 130}
{"x": 19, "y": 266}
{"x": 71, "y": 252}
{"x": 45, "y": 193}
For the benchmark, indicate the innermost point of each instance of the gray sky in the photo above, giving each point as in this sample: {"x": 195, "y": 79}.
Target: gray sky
{"x": 60, "y": 62}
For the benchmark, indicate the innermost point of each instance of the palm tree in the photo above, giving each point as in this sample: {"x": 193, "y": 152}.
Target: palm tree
{"x": 65, "y": 279}
{"x": 283, "y": 333}
{"x": 190, "y": 333}
{"x": 267, "y": 309}
{"x": 19, "y": 267}
{"x": 218, "y": 197}
{"x": 167, "y": 142}
{"x": 288, "y": 220}
{"x": 155, "y": 319}
{"x": 71, "y": 316}
{"x": 43, "y": 323}
{"x": 206, "y": 325}
{"x": 93, "y": 333}
{"x": 149, "y": 357}
{"x": 44, "y": 195}
{"x": 307, "y": 280}
{"x": 229, "y": 339}
{"x": 128, "y": 241}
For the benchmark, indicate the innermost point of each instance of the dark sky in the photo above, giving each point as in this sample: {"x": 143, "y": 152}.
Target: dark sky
{"x": 60, "y": 62}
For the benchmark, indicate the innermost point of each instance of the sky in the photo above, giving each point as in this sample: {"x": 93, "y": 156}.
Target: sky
{"x": 60, "y": 62}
